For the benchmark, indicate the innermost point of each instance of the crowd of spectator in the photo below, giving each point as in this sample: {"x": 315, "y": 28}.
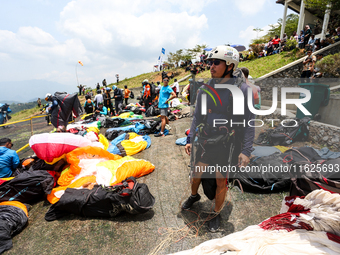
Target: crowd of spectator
{"x": 304, "y": 40}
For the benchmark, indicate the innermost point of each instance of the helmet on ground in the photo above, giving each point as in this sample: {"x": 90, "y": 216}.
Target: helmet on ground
{"x": 114, "y": 87}
{"x": 226, "y": 53}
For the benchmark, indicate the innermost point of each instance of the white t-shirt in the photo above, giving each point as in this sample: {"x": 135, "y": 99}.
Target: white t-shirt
{"x": 98, "y": 98}
{"x": 176, "y": 84}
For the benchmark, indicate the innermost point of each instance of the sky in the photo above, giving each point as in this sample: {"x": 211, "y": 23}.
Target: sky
{"x": 44, "y": 39}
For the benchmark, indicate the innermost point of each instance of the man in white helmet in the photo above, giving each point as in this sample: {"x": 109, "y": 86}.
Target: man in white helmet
{"x": 219, "y": 145}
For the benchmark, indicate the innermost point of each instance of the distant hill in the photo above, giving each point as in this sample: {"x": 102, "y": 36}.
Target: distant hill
{"x": 30, "y": 90}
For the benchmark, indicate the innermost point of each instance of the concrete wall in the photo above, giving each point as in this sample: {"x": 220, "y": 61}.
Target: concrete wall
{"x": 330, "y": 113}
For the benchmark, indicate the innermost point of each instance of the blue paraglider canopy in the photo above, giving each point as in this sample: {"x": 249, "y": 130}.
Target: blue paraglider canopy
{"x": 207, "y": 49}
{"x": 238, "y": 47}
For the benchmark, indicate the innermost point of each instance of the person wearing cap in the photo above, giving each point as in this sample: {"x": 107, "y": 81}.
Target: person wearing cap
{"x": 98, "y": 98}
{"x": 227, "y": 143}
{"x": 101, "y": 109}
{"x": 9, "y": 159}
{"x": 50, "y": 98}
{"x": 118, "y": 96}
{"x": 107, "y": 100}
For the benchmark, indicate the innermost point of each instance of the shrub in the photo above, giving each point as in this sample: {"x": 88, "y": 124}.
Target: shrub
{"x": 290, "y": 44}
{"x": 256, "y": 48}
{"x": 330, "y": 64}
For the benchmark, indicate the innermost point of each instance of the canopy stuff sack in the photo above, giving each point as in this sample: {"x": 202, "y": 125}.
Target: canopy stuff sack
{"x": 128, "y": 196}
{"x": 27, "y": 187}
{"x": 287, "y": 134}
{"x": 13, "y": 219}
{"x": 268, "y": 174}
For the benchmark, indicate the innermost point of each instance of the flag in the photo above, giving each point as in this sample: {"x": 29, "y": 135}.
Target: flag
{"x": 163, "y": 51}
{"x": 80, "y": 63}
{"x": 159, "y": 57}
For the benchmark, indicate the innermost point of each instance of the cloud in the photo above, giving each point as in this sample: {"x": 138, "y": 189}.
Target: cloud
{"x": 250, "y": 7}
{"x": 109, "y": 37}
{"x": 248, "y": 34}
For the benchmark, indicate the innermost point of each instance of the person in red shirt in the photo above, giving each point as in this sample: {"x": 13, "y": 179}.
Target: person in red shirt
{"x": 276, "y": 43}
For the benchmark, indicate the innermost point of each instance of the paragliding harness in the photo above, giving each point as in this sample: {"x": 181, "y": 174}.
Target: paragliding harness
{"x": 207, "y": 136}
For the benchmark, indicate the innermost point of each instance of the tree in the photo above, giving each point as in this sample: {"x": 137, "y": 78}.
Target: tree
{"x": 257, "y": 30}
{"x": 291, "y": 25}
{"x": 322, "y": 4}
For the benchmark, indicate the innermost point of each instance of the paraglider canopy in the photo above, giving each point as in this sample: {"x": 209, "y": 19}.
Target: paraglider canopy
{"x": 238, "y": 47}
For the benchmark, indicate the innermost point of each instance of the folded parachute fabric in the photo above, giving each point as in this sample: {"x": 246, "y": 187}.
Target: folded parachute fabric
{"x": 306, "y": 225}
{"x": 13, "y": 219}
{"x": 132, "y": 128}
{"x": 103, "y": 172}
{"x": 80, "y": 124}
{"x": 129, "y": 144}
{"x": 50, "y": 146}
{"x": 84, "y": 158}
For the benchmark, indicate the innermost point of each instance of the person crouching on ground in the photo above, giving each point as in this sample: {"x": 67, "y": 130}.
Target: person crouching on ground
{"x": 101, "y": 109}
{"x": 9, "y": 159}
{"x": 221, "y": 144}
{"x": 165, "y": 95}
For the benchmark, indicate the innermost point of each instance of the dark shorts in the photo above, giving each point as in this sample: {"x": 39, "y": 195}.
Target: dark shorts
{"x": 219, "y": 158}
{"x": 164, "y": 111}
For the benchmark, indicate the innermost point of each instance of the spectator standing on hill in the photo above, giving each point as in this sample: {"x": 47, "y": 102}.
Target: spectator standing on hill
{"x": 175, "y": 87}
{"x": 9, "y": 159}
{"x": 39, "y": 102}
{"x": 307, "y": 33}
{"x": 104, "y": 83}
{"x": 98, "y": 86}
{"x": 98, "y": 98}
{"x": 126, "y": 94}
{"x": 80, "y": 89}
{"x": 308, "y": 66}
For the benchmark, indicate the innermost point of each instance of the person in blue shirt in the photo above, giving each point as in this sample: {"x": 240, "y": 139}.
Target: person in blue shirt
{"x": 9, "y": 159}
{"x": 165, "y": 95}
{"x": 101, "y": 110}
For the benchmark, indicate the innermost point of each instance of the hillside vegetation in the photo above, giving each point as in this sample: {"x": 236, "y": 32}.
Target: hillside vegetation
{"x": 257, "y": 67}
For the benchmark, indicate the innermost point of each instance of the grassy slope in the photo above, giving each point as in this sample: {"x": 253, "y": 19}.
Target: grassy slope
{"x": 257, "y": 67}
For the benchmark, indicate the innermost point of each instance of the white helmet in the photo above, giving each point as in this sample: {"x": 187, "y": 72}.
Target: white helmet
{"x": 48, "y": 95}
{"x": 229, "y": 54}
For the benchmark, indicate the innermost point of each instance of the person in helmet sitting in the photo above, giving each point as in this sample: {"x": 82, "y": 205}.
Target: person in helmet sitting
{"x": 223, "y": 145}
{"x": 101, "y": 110}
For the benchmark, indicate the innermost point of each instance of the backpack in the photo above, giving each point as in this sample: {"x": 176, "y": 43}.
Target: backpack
{"x": 89, "y": 107}
{"x": 132, "y": 96}
{"x": 285, "y": 135}
{"x": 150, "y": 111}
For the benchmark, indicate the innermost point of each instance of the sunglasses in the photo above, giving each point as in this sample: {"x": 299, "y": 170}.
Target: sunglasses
{"x": 216, "y": 62}
{"x": 166, "y": 80}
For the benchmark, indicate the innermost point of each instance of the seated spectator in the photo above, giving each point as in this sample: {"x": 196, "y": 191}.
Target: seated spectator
{"x": 295, "y": 37}
{"x": 338, "y": 33}
{"x": 323, "y": 43}
{"x": 301, "y": 40}
{"x": 9, "y": 159}
{"x": 276, "y": 41}
{"x": 284, "y": 39}
{"x": 335, "y": 36}
{"x": 270, "y": 46}
{"x": 317, "y": 45}
{"x": 308, "y": 66}
{"x": 311, "y": 42}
